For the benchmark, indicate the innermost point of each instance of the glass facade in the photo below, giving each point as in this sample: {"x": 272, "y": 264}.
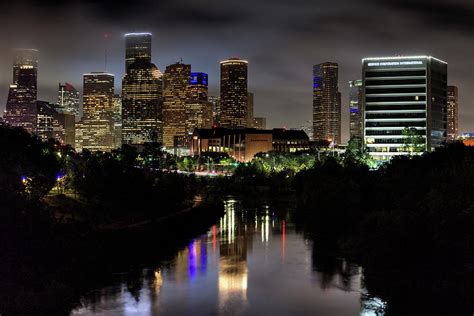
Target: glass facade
{"x": 400, "y": 94}
{"x": 453, "y": 130}
{"x": 356, "y": 112}
{"x": 69, "y": 99}
{"x": 198, "y": 108}
{"x": 137, "y": 46}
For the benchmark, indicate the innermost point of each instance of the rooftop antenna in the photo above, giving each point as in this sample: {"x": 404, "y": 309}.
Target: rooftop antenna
{"x": 106, "y": 36}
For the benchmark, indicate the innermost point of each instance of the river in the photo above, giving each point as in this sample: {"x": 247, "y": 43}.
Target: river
{"x": 253, "y": 261}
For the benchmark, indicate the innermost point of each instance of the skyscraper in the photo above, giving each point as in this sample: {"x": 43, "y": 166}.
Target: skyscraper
{"x": 198, "y": 108}
{"x": 326, "y": 103}
{"x": 216, "y": 108}
{"x": 69, "y": 99}
{"x": 452, "y": 111}
{"x": 250, "y": 110}
{"x": 356, "y": 113}
{"x": 259, "y": 123}
{"x": 95, "y": 131}
{"x": 21, "y": 107}
{"x": 142, "y": 100}
{"x": 117, "y": 116}
{"x": 234, "y": 93}
{"x": 137, "y": 46}
{"x": 175, "y": 93}
{"x": 404, "y": 102}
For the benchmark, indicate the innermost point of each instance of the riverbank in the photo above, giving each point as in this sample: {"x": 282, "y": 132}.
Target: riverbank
{"x": 50, "y": 271}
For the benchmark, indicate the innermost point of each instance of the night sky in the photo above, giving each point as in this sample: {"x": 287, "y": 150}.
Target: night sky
{"x": 281, "y": 39}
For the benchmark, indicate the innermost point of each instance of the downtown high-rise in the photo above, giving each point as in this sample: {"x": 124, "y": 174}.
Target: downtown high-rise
{"x": 69, "y": 100}
{"x": 21, "y": 109}
{"x": 95, "y": 131}
{"x": 356, "y": 112}
{"x": 175, "y": 95}
{"x": 452, "y": 113}
{"x": 326, "y": 103}
{"x": 142, "y": 93}
{"x": 404, "y": 103}
{"x": 137, "y": 46}
{"x": 234, "y": 93}
{"x": 198, "y": 107}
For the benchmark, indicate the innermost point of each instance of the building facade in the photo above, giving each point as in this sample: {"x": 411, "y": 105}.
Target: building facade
{"x": 259, "y": 123}
{"x": 216, "y": 108}
{"x": 142, "y": 104}
{"x": 244, "y": 143}
{"x": 234, "y": 93}
{"x": 69, "y": 100}
{"x": 95, "y": 131}
{"x": 404, "y": 101}
{"x": 453, "y": 114}
{"x": 326, "y": 103}
{"x": 137, "y": 46}
{"x": 53, "y": 123}
{"x": 250, "y": 110}
{"x": 198, "y": 108}
{"x": 356, "y": 112}
{"x": 21, "y": 109}
{"x": 175, "y": 94}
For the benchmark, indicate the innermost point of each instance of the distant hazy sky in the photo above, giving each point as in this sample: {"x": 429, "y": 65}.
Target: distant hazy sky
{"x": 281, "y": 39}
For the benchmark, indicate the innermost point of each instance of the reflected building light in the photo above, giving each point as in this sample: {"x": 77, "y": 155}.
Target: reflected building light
{"x": 158, "y": 283}
{"x": 283, "y": 239}
{"x": 214, "y": 238}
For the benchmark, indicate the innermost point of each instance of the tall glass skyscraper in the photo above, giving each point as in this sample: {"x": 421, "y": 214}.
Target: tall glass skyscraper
{"x": 452, "y": 104}
{"x": 95, "y": 131}
{"x": 142, "y": 101}
{"x": 137, "y": 45}
{"x": 403, "y": 94}
{"x": 234, "y": 93}
{"x": 176, "y": 93}
{"x": 21, "y": 109}
{"x": 69, "y": 99}
{"x": 198, "y": 108}
{"x": 326, "y": 103}
{"x": 356, "y": 112}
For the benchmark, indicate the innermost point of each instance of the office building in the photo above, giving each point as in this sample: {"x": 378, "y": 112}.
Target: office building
{"x": 117, "y": 117}
{"x": 142, "y": 101}
{"x": 95, "y": 131}
{"x": 326, "y": 103}
{"x": 175, "y": 94}
{"x": 234, "y": 93}
{"x": 137, "y": 46}
{"x": 452, "y": 110}
{"x": 69, "y": 100}
{"x": 259, "y": 123}
{"x": 356, "y": 113}
{"x": 52, "y": 123}
{"x": 250, "y": 110}
{"x": 198, "y": 108}
{"x": 216, "y": 108}
{"x": 21, "y": 107}
{"x": 403, "y": 96}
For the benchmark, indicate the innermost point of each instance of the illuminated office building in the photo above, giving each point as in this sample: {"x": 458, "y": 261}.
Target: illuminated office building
{"x": 356, "y": 113}
{"x": 234, "y": 93}
{"x": 52, "y": 123}
{"x": 402, "y": 94}
{"x": 216, "y": 108}
{"x": 69, "y": 99}
{"x": 137, "y": 46}
{"x": 95, "y": 132}
{"x": 198, "y": 108}
{"x": 117, "y": 116}
{"x": 250, "y": 110}
{"x": 452, "y": 109}
{"x": 21, "y": 107}
{"x": 259, "y": 123}
{"x": 326, "y": 103}
{"x": 175, "y": 95}
{"x": 142, "y": 100}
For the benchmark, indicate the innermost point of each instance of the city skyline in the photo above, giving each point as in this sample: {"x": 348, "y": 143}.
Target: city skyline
{"x": 287, "y": 66}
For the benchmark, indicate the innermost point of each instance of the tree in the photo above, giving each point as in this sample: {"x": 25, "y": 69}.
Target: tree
{"x": 413, "y": 142}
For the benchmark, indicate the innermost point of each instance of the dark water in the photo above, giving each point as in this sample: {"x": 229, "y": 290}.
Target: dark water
{"x": 252, "y": 262}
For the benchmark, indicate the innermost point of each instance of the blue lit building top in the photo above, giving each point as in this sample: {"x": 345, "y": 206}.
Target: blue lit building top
{"x": 198, "y": 78}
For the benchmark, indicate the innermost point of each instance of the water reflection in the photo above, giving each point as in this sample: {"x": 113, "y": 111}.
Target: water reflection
{"x": 252, "y": 262}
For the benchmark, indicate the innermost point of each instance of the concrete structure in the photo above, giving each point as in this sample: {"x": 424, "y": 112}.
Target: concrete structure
{"x": 403, "y": 94}
{"x": 244, "y": 144}
{"x": 453, "y": 113}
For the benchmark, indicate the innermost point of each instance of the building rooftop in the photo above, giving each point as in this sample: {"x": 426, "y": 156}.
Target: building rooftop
{"x": 278, "y": 133}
